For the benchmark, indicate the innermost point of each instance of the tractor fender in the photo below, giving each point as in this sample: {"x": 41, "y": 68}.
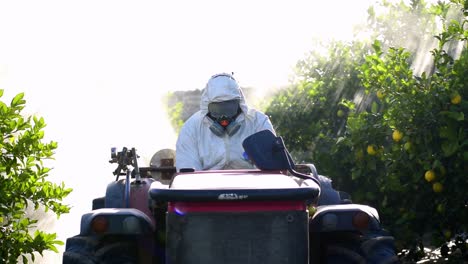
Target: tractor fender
{"x": 139, "y": 199}
{"x": 115, "y": 194}
{"x": 139, "y": 196}
{"x": 116, "y": 221}
{"x": 341, "y": 217}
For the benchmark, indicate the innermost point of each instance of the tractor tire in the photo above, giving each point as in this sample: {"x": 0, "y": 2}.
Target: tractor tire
{"x": 342, "y": 255}
{"x": 76, "y": 258}
{"x": 104, "y": 250}
{"x": 117, "y": 252}
{"x": 79, "y": 250}
{"x": 380, "y": 249}
{"x": 375, "y": 249}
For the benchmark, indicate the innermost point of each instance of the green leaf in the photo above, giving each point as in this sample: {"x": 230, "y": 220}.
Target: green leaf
{"x": 355, "y": 174}
{"x": 53, "y": 248}
{"x": 448, "y": 132}
{"x": 374, "y": 107}
{"x": 458, "y": 116}
{"x": 17, "y": 100}
{"x": 3, "y": 107}
{"x": 377, "y": 47}
{"x": 12, "y": 125}
{"x": 449, "y": 147}
{"x": 436, "y": 164}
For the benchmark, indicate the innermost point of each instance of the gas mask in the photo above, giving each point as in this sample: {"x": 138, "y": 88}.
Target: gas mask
{"x": 224, "y": 114}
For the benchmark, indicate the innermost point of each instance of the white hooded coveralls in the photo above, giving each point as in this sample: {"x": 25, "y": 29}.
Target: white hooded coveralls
{"x": 199, "y": 148}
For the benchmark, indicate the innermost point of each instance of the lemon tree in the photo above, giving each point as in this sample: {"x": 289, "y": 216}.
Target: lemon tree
{"x": 309, "y": 115}
{"x": 397, "y": 124}
{"x": 427, "y": 170}
{"x": 23, "y": 180}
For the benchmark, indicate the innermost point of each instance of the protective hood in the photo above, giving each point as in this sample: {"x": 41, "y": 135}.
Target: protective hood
{"x": 222, "y": 87}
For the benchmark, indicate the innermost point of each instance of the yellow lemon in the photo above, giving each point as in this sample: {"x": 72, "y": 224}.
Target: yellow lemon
{"x": 397, "y": 135}
{"x": 456, "y": 99}
{"x": 380, "y": 94}
{"x": 312, "y": 209}
{"x": 429, "y": 176}
{"x": 371, "y": 150}
{"x": 437, "y": 187}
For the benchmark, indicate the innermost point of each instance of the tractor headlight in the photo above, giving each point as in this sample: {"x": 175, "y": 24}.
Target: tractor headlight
{"x": 100, "y": 224}
{"x": 329, "y": 221}
{"x": 131, "y": 225}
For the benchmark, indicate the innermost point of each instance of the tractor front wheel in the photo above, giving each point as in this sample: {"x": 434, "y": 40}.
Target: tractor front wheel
{"x": 80, "y": 250}
{"x": 117, "y": 252}
{"x": 377, "y": 248}
{"x": 107, "y": 249}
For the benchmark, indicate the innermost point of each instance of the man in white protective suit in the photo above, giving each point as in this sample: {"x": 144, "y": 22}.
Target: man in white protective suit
{"x": 211, "y": 139}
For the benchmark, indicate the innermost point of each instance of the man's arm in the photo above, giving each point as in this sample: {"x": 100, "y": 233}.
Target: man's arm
{"x": 187, "y": 155}
{"x": 264, "y": 123}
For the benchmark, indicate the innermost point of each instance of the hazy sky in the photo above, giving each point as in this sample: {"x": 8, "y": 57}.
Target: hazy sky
{"x": 164, "y": 44}
{"x": 96, "y": 70}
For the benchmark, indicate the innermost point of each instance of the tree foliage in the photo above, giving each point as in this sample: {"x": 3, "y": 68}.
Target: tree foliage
{"x": 23, "y": 183}
{"x": 392, "y": 137}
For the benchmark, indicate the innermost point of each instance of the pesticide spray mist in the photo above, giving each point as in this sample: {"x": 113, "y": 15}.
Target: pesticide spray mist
{"x": 85, "y": 136}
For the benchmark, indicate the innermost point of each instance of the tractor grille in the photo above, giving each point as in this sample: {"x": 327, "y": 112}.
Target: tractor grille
{"x": 237, "y": 237}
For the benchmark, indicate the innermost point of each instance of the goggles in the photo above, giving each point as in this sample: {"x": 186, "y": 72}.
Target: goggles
{"x": 225, "y": 109}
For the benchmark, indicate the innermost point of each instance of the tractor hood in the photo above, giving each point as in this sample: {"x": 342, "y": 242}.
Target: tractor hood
{"x": 248, "y": 185}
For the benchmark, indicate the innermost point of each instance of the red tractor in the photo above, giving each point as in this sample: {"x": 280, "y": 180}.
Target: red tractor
{"x": 278, "y": 213}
